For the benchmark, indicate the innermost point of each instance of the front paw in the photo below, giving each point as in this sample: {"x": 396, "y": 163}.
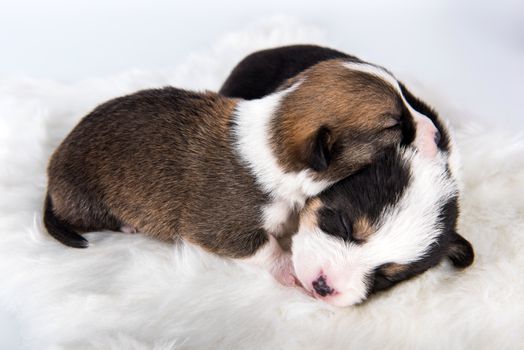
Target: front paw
{"x": 278, "y": 263}
{"x": 284, "y": 272}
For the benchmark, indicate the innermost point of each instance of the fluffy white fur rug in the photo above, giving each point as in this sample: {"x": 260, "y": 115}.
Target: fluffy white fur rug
{"x": 129, "y": 292}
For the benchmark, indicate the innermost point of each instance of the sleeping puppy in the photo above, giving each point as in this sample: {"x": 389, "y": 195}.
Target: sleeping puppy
{"x": 226, "y": 174}
{"x": 388, "y": 223}
{"x": 385, "y": 224}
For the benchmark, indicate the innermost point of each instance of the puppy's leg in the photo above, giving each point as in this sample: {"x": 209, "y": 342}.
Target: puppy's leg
{"x": 272, "y": 258}
{"x": 254, "y": 247}
{"x": 126, "y": 228}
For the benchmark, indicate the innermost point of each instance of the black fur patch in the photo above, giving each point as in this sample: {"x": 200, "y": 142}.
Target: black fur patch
{"x": 407, "y": 125}
{"x": 320, "y": 154}
{"x": 262, "y": 72}
{"x": 429, "y": 112}
{"x": 365, "y": 194}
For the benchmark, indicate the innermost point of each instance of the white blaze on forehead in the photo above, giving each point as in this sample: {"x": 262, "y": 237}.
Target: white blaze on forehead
{"x": 425, "y": 134}
{"x": 376, "y": 71}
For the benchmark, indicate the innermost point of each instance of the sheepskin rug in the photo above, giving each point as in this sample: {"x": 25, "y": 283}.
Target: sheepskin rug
{"x": 130, "y": 292}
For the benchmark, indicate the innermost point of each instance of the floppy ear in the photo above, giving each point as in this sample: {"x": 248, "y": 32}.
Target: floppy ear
{"x": 318, "y": 149}
{"x": 460, "y": 251}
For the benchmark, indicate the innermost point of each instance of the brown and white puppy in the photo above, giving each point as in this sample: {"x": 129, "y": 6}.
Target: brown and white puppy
{"x": 389, "y": 222}
{"x": 228, "y": 175}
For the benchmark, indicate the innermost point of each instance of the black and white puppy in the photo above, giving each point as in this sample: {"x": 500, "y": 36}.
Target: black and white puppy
{"x": 385, "y": 224}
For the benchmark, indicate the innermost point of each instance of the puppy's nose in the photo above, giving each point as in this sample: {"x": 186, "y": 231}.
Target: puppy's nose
{"x": 321, "y": 286}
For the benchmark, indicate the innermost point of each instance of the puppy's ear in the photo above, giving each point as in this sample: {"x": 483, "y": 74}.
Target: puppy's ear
{"x": 460, "y": 251}
{"x": 318, "y": 149}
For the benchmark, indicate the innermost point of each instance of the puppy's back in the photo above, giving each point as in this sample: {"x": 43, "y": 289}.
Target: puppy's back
{"x": 133, "y": 148}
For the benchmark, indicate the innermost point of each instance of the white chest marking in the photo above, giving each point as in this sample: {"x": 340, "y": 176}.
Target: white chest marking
{"x": 287, "y": 190}
{"x": 275, "y": 216}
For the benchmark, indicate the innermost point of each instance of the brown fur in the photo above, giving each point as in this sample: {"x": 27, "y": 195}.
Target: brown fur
{"x": 308, "y": 216}
{"x": 362, "y": 229}
{"x": 161, "y": 161}
{"x": 164, "y": 160}
{"x": 355, "y": 107}
{"x": 393, "y": 269}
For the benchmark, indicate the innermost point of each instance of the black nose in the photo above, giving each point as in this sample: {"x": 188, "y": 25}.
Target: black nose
{"x": 321, "y": 287}
{"x": 437, "y": 137}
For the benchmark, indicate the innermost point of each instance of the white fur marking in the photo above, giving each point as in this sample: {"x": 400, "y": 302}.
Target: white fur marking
{"x": 275, "y": 215}
{"x": 253, "y": 131}
{"x": 289, "y": 190}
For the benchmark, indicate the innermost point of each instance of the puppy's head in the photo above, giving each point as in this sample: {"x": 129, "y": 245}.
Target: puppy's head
{"x": 338, "y": 116}
{"x": 385, "y": 224}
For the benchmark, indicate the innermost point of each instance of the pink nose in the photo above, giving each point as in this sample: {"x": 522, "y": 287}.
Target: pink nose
{"x": 321, "y": 287}
{"x": 427, "y": 136}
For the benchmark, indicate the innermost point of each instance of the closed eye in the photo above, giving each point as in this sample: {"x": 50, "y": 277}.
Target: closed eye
{"x": 392, "y": 122}
{"x": 394, "y": 126}
{"x": 337, "y": 223}
{"x": 346, "y": 226}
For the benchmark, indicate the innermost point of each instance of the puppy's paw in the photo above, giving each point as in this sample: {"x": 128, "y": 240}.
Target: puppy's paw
{"x": 278, "y": 263}
{"x": 284, "y": 272}
{"x": 128, "y": 229}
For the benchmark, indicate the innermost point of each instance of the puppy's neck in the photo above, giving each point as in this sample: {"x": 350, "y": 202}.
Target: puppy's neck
{"x": 253, "y": 134}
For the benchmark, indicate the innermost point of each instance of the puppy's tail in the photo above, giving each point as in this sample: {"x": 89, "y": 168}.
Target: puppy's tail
{"x": 59, "y": 229}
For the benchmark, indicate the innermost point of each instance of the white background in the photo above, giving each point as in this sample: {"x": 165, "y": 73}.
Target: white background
{"x": 469, "y": 53}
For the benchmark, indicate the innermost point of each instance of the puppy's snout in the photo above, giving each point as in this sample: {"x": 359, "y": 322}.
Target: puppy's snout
{"x": 321, "y": 287}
